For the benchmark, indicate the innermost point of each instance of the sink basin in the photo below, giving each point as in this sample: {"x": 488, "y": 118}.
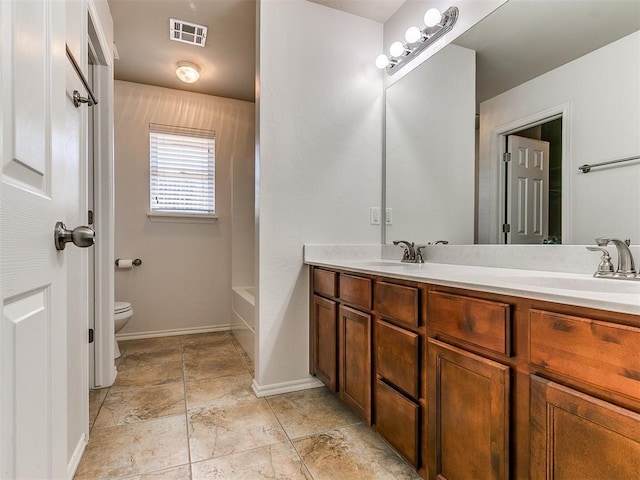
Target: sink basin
{"x": 609, "y": 285}
{"x": 390, "y": 264}
{"x": 382, "y": 263}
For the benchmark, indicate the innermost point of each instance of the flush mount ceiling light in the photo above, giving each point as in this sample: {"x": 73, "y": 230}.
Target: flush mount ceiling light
{"x": 188, "y": 72}
{"x": 436, "y": 25}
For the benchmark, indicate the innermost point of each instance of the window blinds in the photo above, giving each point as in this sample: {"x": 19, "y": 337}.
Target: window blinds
{"x": 182, "y": 165}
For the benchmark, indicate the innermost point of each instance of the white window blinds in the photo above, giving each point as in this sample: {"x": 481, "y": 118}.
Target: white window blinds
{"x": 182, "y": 162}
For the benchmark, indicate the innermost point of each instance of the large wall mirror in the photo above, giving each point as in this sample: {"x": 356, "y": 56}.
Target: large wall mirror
{"x": 484, "y": 139}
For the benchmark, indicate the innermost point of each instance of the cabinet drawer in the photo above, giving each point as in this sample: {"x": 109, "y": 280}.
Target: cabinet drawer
{"x": 600, "y": 353}
{"x": 397, "y": 302}
{"x": 480, "y": 322}
{"x": 325, "y": 282}
{"x": 355, "y": 290}
{"x": 398, "y": 420}
{"x": 397, "y": 357}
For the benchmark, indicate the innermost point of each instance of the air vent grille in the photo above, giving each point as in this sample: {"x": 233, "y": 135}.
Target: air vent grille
{"x": 187, "y": 32}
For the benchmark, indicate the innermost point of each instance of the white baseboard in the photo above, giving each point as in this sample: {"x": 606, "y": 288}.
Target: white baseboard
{"x": 173, "y": 332}
{"x": 285, "y": 387}
{"x": 72, "y": 466}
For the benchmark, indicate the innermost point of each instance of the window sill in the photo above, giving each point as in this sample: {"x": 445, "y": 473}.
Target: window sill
{"x": 180, "y": 218}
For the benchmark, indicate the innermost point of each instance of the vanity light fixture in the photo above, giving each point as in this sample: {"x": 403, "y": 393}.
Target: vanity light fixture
{"x": 188, "y": 72}
{"x": 436, "y": 25}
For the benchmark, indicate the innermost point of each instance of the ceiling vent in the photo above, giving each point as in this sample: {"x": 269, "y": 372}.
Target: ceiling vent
{"x": 186, "y": 32}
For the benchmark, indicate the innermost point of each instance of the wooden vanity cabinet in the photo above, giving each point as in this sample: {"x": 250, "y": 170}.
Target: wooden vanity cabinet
{"x": 340, "y": 340}
{"x": 469, "y": 395}
{"x": 475, "y": 385}
{"x": 399, "y": 398}
{"x": 575, "y": 434}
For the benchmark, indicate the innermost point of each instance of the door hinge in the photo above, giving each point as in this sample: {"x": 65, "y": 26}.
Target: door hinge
{"x": 506, "y": 228}
{"x": 506, "y": 157}
{"x": 91, "y": 335}
{"x": 90, "y": 217}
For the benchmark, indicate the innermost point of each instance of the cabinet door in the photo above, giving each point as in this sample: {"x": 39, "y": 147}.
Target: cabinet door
{"x": 468, "y": 404}
{"x": 355, "y": 361}
{"x": 325, "y": 341}
{"x": 574, "y": 435}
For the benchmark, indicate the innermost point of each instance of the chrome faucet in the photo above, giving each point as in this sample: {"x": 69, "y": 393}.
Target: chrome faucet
{"x": 412, "y": 253}
{"x": 626, "y": 266}
{"x": 409, "y": 252}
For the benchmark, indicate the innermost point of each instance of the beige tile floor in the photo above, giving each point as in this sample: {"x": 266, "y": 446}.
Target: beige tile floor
{"x": 183, "y": 408}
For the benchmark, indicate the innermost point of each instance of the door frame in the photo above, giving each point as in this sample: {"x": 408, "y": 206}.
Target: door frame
{"x": 499, "y": 147}
{"x": 103, "y": 372}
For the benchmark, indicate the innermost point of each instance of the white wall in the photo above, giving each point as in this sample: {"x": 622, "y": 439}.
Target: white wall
{"x": 320, "y": 131}
{"x": 184, "y": 282}
{"x": 601, "y": 96}
{"x": 412, "y": 12}
{"x": 430, "y": 150}
{"x": 243, "y": 222}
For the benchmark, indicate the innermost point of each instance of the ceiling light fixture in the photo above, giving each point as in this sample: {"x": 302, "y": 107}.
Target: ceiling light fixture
{"x": 188, "y": 72}
{"x": 436, "y": 26}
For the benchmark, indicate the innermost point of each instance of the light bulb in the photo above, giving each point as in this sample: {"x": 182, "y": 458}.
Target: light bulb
{"x": 382, "y": 61}
{"x": 412, "y": 35}
{"x": 432, "y": 17}
{"x": 188, "y": 72}
{"x": 396, "y": 49}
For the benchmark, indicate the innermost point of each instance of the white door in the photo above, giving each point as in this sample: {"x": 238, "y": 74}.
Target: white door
{"x": 37, "y": 174}
{"x": 527, "y": 190}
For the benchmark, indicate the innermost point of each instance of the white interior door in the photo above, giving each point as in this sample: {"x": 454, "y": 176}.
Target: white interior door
{"x": 37, "y": 178}
{"x": 527, "y": 190}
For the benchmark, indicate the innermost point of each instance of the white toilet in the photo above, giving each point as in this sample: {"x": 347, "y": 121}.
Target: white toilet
{"x": 123, "y": 312}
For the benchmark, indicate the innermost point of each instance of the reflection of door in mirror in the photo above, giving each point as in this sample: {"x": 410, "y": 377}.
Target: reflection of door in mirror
{"x": 532, "y": 187}
{"x": 527, "y": 190}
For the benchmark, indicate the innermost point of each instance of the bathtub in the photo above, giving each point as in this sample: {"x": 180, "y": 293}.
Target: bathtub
{"x": 243, "y": 304}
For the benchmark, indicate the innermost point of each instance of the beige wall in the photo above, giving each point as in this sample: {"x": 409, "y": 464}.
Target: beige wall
{"x": 184, "y": 282}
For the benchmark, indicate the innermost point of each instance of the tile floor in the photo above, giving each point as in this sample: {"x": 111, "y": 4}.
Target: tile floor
{"x": 183, "y": 408}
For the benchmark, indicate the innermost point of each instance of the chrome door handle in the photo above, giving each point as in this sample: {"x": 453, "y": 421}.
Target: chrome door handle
{"x": 80, "y": 236}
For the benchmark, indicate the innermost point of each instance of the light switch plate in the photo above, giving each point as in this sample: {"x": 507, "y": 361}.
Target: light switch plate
{"x": 388, "y": 216}
{"x": 375, "y": 215}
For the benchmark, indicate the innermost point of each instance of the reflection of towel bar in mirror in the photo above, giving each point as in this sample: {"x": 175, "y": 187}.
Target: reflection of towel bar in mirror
{"x": 587, "y": 168}
{"x": 136, "y": 263}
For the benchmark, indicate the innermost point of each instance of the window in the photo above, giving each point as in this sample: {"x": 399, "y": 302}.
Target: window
{"x": 182, "y": 162}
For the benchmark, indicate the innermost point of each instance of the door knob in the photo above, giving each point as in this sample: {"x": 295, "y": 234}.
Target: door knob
{"x": 80, "y": 236}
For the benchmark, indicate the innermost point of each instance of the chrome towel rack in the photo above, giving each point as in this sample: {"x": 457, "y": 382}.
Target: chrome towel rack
{"x": 77, "y": 98}
{"x": 587, "y": 168}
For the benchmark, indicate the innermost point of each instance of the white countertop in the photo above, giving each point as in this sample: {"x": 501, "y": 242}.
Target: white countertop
{"x": 569, "y": 288}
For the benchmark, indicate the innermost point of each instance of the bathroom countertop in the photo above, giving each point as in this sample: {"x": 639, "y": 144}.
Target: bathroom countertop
{"x": 570, "y": 288}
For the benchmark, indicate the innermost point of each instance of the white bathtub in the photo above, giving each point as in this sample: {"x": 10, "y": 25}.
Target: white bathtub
{"x": 243, "y": 303}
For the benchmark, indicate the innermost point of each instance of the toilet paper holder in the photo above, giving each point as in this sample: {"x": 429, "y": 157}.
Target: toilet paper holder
{"x": 136, "y": 263}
